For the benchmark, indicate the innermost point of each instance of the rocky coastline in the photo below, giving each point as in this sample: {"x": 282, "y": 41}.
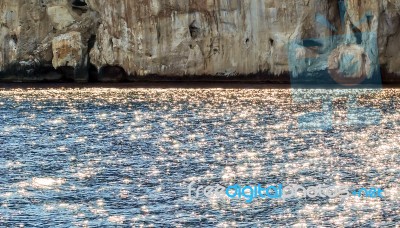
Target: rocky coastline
{"x": 183, "y": 40}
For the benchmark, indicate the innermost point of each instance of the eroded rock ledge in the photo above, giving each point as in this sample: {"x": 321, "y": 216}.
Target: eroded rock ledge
{"x": 244, "y": 40}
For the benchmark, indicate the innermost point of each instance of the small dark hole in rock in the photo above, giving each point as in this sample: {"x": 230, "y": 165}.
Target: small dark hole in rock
{"x": 191, "y": 46}
{"x": 271, "y": 42}
{"x": 308, "y": 43}
{"x": 247, "y": 40}
{"x": 15, "y": 38}
{"x": 79, "y": 3}
{"x": 194, "y": 30}
{"x": 79, "y": 6}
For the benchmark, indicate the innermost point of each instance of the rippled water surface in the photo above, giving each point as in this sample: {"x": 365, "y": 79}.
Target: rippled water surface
{"x": 124, "y": 157}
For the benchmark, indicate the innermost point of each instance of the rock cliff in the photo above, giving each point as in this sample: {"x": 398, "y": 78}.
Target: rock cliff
{"x": 115, "y": 40}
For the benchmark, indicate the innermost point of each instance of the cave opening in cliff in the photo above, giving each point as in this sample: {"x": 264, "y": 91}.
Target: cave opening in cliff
{"x": 67, "y": 73}
{"x": 112, "y": 73}
{"x": 93, "y": 73}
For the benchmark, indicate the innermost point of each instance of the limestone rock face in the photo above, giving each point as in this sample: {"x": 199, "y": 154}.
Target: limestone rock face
{"x": 28, "y": 31}
{"x": 67, "y": 50}
{"x": 60, "y": 16}
{"x": 140, "y": 38}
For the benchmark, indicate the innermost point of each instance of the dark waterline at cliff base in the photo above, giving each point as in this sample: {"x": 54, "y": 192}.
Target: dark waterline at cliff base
{"x": 119, "y": 79}
{"x": 170, "y": 85}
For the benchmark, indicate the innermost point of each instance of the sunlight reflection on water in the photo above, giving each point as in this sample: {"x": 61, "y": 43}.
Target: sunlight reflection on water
{"x": 103, "y": 157}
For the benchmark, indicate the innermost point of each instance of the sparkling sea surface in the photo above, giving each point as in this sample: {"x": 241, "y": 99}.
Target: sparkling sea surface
{"x": 103, "y": 157}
